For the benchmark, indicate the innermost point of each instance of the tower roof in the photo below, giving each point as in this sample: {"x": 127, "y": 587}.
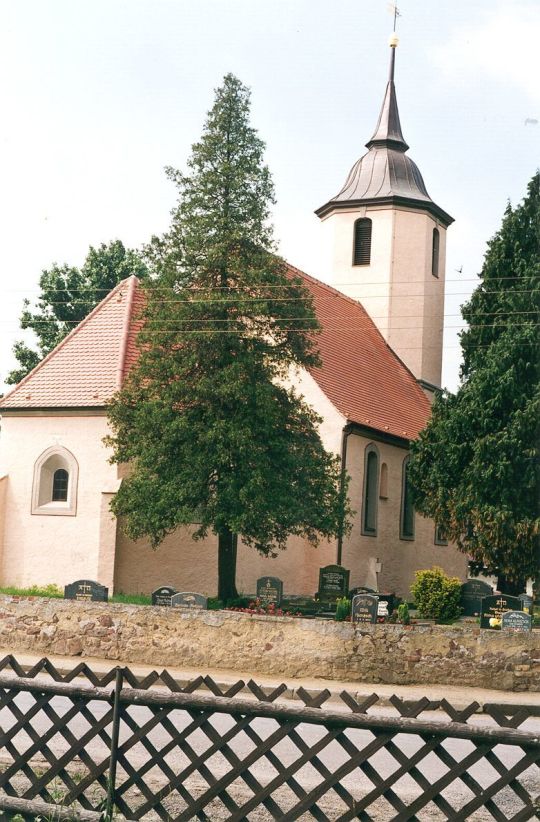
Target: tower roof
{"x": 385, "y": 174}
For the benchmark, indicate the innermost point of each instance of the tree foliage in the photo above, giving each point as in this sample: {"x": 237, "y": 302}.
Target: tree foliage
{"x": 475, "y": 468}
{"x": 208, "y": 422}
{"x": 67, "y": 295}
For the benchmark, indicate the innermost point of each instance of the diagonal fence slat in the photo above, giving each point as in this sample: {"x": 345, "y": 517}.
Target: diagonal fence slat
{"x": 196, "y": 749}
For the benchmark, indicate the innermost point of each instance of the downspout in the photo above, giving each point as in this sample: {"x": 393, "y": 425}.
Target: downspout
{"x": 347, "y": 431}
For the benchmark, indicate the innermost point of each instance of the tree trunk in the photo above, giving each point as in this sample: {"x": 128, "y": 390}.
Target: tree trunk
{"x": 227, "y": 542}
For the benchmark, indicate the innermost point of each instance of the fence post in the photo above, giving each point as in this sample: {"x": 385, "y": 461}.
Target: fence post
{"x": 115, "y": 730}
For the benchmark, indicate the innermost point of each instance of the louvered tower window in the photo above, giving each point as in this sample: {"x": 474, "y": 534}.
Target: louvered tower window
{"x": 362, "y": 242}
{"x": 435, "y": 253}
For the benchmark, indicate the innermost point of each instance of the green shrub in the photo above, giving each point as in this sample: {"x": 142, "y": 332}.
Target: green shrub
{"x": 403, "y": 613}
{"x": 437, "y": 595}
{"x": 343, "y": 609}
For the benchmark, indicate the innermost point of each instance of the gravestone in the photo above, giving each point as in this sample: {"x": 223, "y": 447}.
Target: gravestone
{"x": 269, "y": 590}
{"x": 364, "y": 608}
{"x": 526, "y": 602}
{"x": 189, "y": 600}
{"x": 495, "y": 606}
{"x": 517, "y": 621}
{"x": 86, "y": 590}
{"x": 472, "y": 592}
{"x": 386, "y": 599}
{"x": 162, "y": 596}
{"x": 360, "y": 589}
{"x": 333, "y": 582}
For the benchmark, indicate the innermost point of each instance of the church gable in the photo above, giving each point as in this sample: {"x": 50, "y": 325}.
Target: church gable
{"x": 87, "y": 367}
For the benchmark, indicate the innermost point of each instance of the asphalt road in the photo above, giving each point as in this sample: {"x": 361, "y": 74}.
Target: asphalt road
{"x": 331, "y": 756}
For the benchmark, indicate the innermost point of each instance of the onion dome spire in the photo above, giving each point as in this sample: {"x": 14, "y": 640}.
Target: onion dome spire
{"x": 386, "y": 174}
{"x": 388, "y": 130}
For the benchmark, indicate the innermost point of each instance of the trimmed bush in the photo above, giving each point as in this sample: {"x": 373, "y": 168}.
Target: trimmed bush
{"x": 437, "y": 595}
{"x": 343, "y": 609}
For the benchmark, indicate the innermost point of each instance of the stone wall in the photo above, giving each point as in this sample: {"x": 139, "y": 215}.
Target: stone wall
{"x": 281, "y": 646}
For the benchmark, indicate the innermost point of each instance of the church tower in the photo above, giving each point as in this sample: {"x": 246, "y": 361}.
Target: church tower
{"x": 387, "y": 241}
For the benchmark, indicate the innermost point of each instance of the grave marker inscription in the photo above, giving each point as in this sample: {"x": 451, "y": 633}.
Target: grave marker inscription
{"x": 189, "y": 600}
{"x": 472, "y": 593}
{"x": 162, "y": 596}
{"x": 495, "y": 606}
{"x": 364, "y": 609}
{"x": 333, "y": 582}
{"x": 86, "y": 590}
{"x": 517, "y": 621}
{"x": 269, "y": 590}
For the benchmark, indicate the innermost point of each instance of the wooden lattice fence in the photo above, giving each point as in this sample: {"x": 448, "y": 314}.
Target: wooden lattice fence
{"x": 79, "y": 745}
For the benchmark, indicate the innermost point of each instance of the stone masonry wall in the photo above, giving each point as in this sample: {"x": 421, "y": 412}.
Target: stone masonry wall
{"x": 284, "y": 646}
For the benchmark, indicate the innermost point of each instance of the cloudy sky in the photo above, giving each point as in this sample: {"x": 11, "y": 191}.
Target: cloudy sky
{"x": 97, "y": 96}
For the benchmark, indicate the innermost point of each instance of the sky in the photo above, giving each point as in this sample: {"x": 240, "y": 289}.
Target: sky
{"x": 98, "y": 96}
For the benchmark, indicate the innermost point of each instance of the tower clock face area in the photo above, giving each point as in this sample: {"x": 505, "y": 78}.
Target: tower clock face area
{"x": 386, "y": 244}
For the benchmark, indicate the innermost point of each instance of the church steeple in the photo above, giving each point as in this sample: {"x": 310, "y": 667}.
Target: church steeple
{"x": 386, "y": 243}
{"x": 386, "y": 174}
{"x": 388, "y": 130}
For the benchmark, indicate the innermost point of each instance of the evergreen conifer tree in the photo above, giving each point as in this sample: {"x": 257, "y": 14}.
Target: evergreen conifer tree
{"x": 67, "y": 295}
{"x": 475, "y": 468}
{"x": 207, "y": 421}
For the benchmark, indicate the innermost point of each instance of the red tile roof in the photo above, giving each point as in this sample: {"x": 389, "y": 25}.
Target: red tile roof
{"x": 87, "y": 367}
{"x": 360, "y": 374}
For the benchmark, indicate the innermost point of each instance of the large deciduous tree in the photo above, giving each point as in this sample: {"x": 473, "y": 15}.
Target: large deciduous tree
{"x": 208, "y": 422}
{"x": 475, "y": 468}
{"x": 67, "y": 295}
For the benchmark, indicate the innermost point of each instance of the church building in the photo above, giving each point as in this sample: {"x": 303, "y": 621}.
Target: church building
{"x": 381, "y": 353}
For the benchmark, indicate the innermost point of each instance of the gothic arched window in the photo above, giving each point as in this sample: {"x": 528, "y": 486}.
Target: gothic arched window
{"x": 362, "y": 242}
{"x": 55, "y": 483}
{"x": 371, "y": 491}
{"x": 407, "y": 508}
{"x": 435, "y": 253}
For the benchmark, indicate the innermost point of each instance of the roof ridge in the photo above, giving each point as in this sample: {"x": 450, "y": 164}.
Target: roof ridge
{"x": 359, "y": 305}
{"x": 63, "y": 342}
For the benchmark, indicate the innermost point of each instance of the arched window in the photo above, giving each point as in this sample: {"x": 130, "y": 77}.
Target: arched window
{"x": 60, "y": 485}
{"x": 371, "y": 491}
{"x": 407, "y": 507}
{"x": 362, "y": 242}
{"x": 54, "y": 490}
{"x": 435, "y": 253}
{"x": 383, "y": 486}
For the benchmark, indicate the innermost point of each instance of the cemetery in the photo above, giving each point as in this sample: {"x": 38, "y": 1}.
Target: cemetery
{"x": 477, "y": 602}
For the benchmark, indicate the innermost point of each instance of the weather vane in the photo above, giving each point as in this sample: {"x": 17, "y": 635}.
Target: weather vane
{"x": 393, "y": 9}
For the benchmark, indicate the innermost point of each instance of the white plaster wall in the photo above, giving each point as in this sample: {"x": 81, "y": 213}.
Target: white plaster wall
{"x": 397, "y": 289}
{"x": 44, "y": 549}
{"x": 416, "y": 296}
{"x": 369, "y": 284}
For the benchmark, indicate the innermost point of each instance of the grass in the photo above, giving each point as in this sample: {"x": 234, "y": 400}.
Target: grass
{"x": 52, "y": 591}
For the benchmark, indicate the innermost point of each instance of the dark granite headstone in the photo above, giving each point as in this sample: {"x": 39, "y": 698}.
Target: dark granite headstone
{"x": 162, "y": 596}
{"x": 517, "y": 621}
{"x": 333, "y": 582}
{"x": 472, "y": 592}
{"x": 364, "y": 608}
{"x": 269, "y": 590}
{"x": 526, "y": 602}
{"x": 187, "y": 599}
{"x": 496, "y": 606}
{"x": 86, "y": 590}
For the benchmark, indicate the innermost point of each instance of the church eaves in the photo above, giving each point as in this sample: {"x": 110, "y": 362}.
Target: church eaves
{"x": 385, "y": 175}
